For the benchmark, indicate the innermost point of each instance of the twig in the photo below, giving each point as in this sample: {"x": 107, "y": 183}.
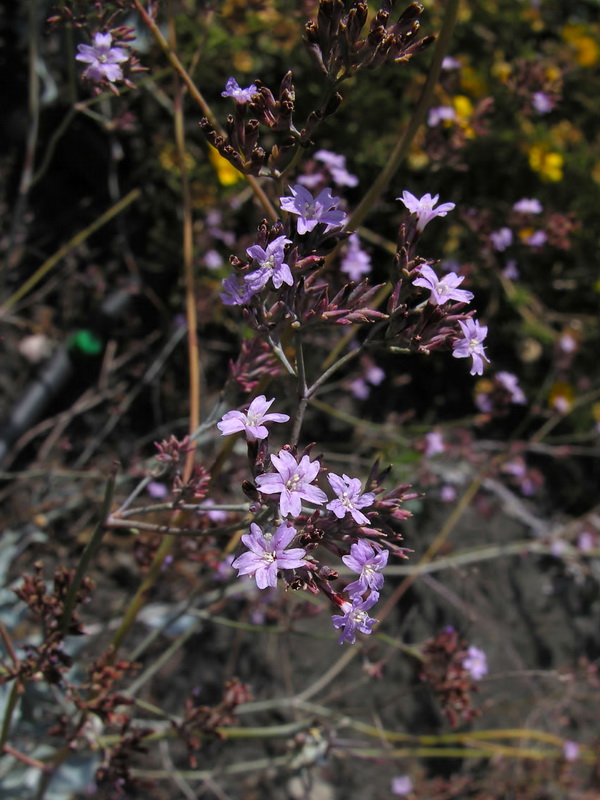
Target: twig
{"x": 78, "y": 239}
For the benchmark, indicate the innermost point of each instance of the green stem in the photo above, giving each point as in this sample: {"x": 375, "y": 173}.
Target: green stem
{"x": 199, "y": 99}
{"x": 88, "y": 554}
{"x": 140, "y": 596}
{"x": 10, "y": 707}
{"x": 70, "y": 245}
{"x": 403, "y": 145}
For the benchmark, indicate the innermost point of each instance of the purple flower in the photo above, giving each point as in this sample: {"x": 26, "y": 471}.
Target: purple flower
{"x": 585, "y": 542}
{"x": 374, "y": 374}
{"x": 271, "y": 265}
{"x": 542, "y": 102}
{"x": 471, "y": 345}
{"x": 510, "y": 271}
{"x": 368, "y": 560}
{"x": 501, "y": 239}
{"x": 402, "y": 785}
{"x": 356, "y": 262}
{"x": 450, "y": 62}
{"x": 212, "y": 259}
{"x": 448, "y": 494}
{"x": 349, "y": 498}
{"x": 537, "y": 239}
{"x": 510, "y": 382}
{"x": 103, "y": 59}
{"x": 232, "y": 89}
{"x": 571, "y": 750}
{"x": 337, "y": 167}
{"x": 424, "y": 207}
{"x": 237, "y": 292}
{"x": 252, "y": 421}
{"x": 476, "y": 663}
{"x": 217, "y": 516}
{"x": 528, "y": 206}
{"x": 267, "y": 553}
{"x": 444, "y": 289}
{"x": 313, "y": 210}
{"x": 434, "y": 444}
{"x": 157, "y": 490}
{"x": 360, "y": 389}
{"x": 292, "y": 482}
{"x": 355, "y": 617}
{"x": 440, "y": 114}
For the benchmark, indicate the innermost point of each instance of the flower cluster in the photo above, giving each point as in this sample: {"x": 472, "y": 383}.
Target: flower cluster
{"x": 368, "y": 560}
{"x": 293, "y": 481}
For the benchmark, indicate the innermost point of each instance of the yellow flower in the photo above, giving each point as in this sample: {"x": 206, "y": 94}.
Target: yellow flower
{"x": 548, "y": 165}
{"x": 227, "y": 174}
{"x": 464, "y": 111}
{"x": 586, "y": 47}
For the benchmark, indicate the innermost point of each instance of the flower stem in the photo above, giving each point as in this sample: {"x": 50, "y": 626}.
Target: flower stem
{"x": 402, "y": 147}
{"x": 199, "y": 99}
{"x": 89, "y": 552}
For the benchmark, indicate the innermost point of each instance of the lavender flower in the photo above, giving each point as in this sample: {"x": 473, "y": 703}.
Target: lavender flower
{"x": 355, "y": 617}
{"x": 237, "y": 292}
{"x": 542, "y": 102}
{"x": 450, "y": 62}
{"x": 103, "y": 59}
{"x": 267, "y": 554}
{"x": 272, "y": 266}
{"x": 368, "y": 561}
{"x": 501, "y": 239}
{"x": 292, "y": 482}
{"x": 233, "y": 89}
{"x": 571, "y": 750}
{"x": 350, "y": 499}
{"x": 444, "y": 289}
{"x": 510, "y": 382}
{"x": 356, "y": 262}
{"x": 537, "y": 239}
{"x": 402, "y": 785}
{"x": 528, "y": 206}
{"x": 313, "y": 210}
{"x": 424, "y": 207}
{"x": 252, "y": 421}
{"x": 434, "y": 444}
{"x": 360, "y": 389}
{"x": 476, "y": 663}
{"x": 374, "y": 374}
{"x": 336, "y": 165}
{"x": 440, "y": 114}
{"x": 471, "y": 345}
{"x": 510, "y": 271}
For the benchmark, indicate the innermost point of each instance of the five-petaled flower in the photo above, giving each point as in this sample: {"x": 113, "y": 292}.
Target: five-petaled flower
{"x": 443, "y": 289}
{"x": 233, "y": 89}
{"x": 313, "y": 210}
{"x": 267, "y": 553}
{"x": 424, "y": 207}
{"x": 355, "y": 617}
{"x": 349, "y": 498}
{"x": 368, "y": 560}
{"x": 103, "y": 59}
{"x": 251, "y": 421}
{"x": 271, "y": 265}
{"x": 471, "y": 345}
{"x": 476, "y": 663}
{"x": 292, "y": 482}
